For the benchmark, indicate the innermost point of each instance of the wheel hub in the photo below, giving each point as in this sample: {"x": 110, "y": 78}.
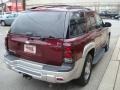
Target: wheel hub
{"x": 87, "y": 70}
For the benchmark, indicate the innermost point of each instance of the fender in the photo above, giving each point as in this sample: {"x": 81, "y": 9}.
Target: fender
{"x": 87, "y": 48}
{"x": 80, "y": 62}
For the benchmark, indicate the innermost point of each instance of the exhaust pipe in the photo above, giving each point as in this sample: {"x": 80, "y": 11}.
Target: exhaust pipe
{"x": 27, "y": 76}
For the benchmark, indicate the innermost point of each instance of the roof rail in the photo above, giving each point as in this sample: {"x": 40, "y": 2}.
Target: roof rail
{"x": 59, "y": 6}
{"x": 49, "y": 6}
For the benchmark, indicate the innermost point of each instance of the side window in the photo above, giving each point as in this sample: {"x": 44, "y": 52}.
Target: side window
{"x": 76, "y": 26}
{"x": 91, "y": 22}
{"x": 88, "y": 24}
{"x": 15, "y": 15}
{"x": 99, "y": 22}
{"x": 10, "y": 16}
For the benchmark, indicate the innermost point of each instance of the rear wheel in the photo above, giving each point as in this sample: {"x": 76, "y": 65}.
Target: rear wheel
{"x": 86, "y": 73}
{"x": 3, "y": 23}
{"x": 118, "y": 18}
{"x": 107, "y": 44}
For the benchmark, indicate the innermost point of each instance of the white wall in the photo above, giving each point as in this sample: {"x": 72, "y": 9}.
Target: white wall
{"x": 31, "y": 2}
{"x": 3, "y": 1}
{"x": 90, "y": 3}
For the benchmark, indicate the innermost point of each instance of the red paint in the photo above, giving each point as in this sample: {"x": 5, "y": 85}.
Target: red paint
{"x": 53, "y": 51}
{"x": 49, "y": 51}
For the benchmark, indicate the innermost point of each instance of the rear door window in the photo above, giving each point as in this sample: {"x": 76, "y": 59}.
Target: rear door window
{"x": 77, "y": 24}
{"x": 91, "y": 22}
{"x": 99, "y": 21}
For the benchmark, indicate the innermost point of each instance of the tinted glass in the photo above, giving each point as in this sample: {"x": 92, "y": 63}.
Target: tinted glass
{"x": 88, "y": 24}
{"x": 99, "y": 21}
{"x": 91, "y": 22}
{"x": 10, "y": 16}
{"x": 77, "y": 24}
{"x": 42, "y": 23}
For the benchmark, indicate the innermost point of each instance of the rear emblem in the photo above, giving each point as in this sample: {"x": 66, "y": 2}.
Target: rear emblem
{"x": 27, "y": 42}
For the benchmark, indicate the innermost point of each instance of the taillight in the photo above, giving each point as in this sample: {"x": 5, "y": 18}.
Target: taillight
{"x": 68, "y": 53}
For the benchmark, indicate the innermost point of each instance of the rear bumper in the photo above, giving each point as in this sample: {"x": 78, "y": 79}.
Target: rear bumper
{"x": 39, "y": 71}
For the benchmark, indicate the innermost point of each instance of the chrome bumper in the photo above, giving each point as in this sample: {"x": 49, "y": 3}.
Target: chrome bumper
{"x": 39, "y": 71}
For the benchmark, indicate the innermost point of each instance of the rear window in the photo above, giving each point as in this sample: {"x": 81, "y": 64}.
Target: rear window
{"x": 43, "y": 24}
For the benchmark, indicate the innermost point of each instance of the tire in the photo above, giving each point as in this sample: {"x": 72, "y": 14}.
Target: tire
{"x": 86, "y": 73}
{"x": 112, "y": 17}
{"x": 107, "y": 45}
{"x": 3, "y": 23}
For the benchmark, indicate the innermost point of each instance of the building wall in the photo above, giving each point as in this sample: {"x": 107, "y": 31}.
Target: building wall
{"x": 93, "y": 4}
{"x": 31, "y": 2}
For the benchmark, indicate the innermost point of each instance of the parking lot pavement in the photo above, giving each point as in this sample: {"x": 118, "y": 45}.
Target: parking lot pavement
{"x": 111, "y": 79}
{"x": 3, "y": 32}
{"x": 10, "y": 80}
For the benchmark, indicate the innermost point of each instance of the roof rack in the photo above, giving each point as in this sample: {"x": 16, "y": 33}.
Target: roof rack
{"x": 49, "y": 6}
{"x": 59, "y": 5}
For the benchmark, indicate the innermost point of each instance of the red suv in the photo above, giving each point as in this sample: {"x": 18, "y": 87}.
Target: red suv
{"x": 57, "y": 44}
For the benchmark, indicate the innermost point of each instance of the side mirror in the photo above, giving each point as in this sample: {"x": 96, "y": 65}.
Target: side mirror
{"x": 107, "y": 24}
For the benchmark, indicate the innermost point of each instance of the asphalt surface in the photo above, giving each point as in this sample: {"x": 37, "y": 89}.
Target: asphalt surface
{"x": 10, "y": 80}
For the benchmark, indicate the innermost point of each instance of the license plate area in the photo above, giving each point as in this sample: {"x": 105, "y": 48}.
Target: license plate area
{"x": 30, "y": 48}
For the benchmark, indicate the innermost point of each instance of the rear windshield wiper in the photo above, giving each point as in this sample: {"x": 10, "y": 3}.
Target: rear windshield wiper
{"x": 32, "y": 35}
{"x": 51, "y": 37}
{"x": 29, "y": 33}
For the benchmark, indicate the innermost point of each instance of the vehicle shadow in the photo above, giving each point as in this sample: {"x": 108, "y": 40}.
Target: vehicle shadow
{"x": 34, "y": 84}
